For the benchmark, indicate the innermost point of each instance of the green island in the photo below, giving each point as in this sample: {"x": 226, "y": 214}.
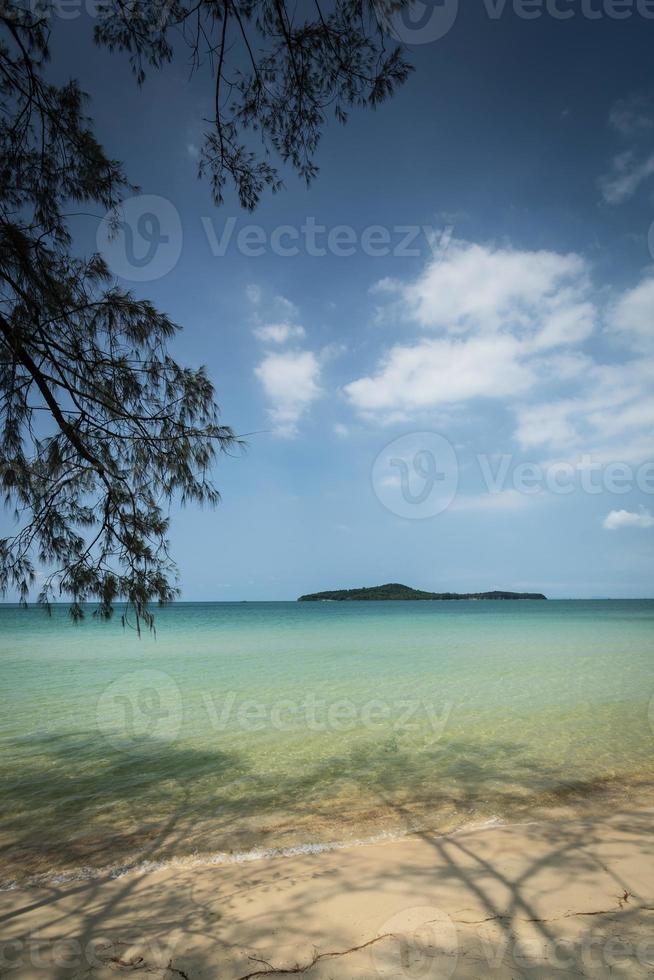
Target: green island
{"x": 394, "y": 590}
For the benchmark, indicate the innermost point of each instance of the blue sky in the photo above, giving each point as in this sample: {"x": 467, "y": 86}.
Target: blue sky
{"x": 508, "y": 314}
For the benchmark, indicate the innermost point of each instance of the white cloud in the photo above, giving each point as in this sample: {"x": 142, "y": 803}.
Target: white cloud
{"x": 284, "y": 308}
{"x": 611, "y": 415}
{"x": 626, "y": 177}
{"x": 633, "y": 315}
{"x": 511, "y": 326}
{"x": 617, "y": 519}
{"x": 278, "y": 308}
{"x": 291, "y": 382}
{"x": 497, "y": 311}
{"x": 436, "y": 372}
{"x": 279, "y": 333}
{"x": 548, "y": 424}
{"x": 632, "y": 116}
{"x": 566, "y": 322}
{"x": 291, "y": 378}
{"x": 193, "y": 150}
{"x": 253, "y": 293}
{"x": 485, "y": 289}
{"x": 279, "y": 323}
{"x": 632, "y": 119}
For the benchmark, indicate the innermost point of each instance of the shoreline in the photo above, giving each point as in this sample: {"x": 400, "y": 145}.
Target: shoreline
{"x": 597, "y": 799}
{"x": 537, "y": 899}
{"x": 226, "y": 858}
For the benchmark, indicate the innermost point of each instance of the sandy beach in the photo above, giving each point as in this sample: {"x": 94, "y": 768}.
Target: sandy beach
{"x": 327, "y": 462}
{"x": 567, "y": 898}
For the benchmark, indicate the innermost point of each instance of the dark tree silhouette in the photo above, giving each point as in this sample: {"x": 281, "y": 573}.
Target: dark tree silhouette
{"x": 101, "y": 428}
{"x": 278, "y": 67}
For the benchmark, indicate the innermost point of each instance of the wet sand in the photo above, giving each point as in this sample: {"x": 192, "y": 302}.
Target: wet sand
{"x": 566, "y": 897}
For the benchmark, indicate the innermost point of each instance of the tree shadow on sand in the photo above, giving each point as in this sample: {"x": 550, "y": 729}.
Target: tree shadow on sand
{"x": 75, "y": 800}
{"x": 382, "y": 777}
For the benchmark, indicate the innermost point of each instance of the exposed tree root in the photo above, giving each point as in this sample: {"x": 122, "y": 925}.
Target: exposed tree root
{"x": 566, "y": 915}
{"x": 287, "y": 971}
{"x": 268, "y": 970}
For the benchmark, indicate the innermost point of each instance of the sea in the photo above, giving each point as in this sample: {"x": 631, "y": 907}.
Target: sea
{"x": 239, "y": 730}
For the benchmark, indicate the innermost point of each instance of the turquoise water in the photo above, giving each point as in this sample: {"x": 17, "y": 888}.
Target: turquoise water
{"x": 262, "y": 725}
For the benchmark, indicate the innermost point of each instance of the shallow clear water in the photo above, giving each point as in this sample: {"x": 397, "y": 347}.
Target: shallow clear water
{"x": 263, "y": 725}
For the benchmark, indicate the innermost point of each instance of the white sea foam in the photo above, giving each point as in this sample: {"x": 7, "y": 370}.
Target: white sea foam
{"x": 238, "y": 857}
